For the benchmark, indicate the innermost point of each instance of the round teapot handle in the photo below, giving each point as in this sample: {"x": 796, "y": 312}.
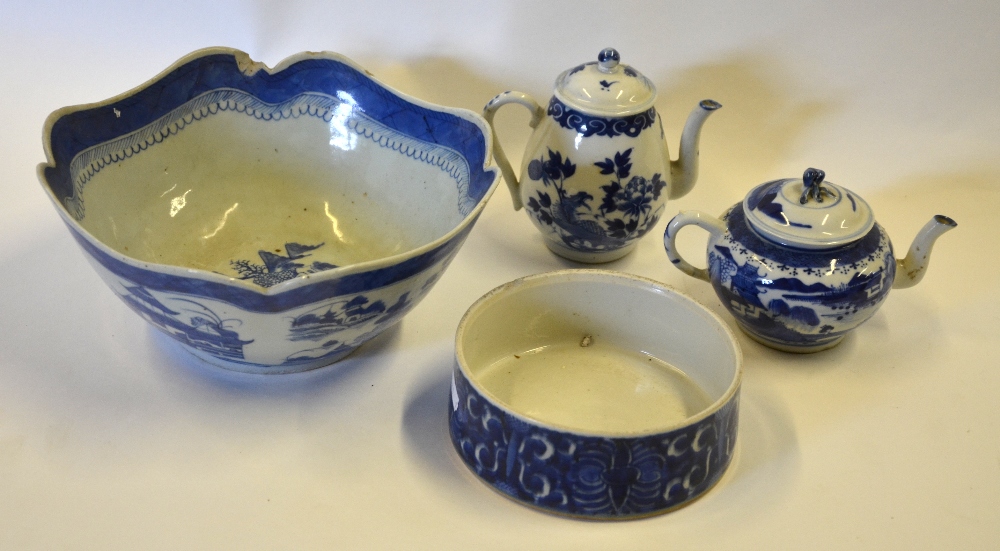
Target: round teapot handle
{"x": 704, "y": 221}
{"x": 491, "y": 108}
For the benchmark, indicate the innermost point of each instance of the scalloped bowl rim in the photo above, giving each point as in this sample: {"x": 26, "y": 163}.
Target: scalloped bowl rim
{"x": 302, "y": 280}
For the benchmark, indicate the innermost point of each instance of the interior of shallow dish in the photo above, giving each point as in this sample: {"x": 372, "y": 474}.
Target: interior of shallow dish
{"x": 598, "y": 353}
{"x": 222, "y": 165}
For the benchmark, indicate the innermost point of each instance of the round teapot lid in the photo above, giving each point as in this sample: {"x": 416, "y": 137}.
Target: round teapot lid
{"x": 605, "y": 87}
{"x": 807, "y": 213}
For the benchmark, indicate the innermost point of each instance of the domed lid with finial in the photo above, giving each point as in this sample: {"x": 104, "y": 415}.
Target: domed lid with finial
{"x": 605, "y": 87}
{"x": 807, "y": 213}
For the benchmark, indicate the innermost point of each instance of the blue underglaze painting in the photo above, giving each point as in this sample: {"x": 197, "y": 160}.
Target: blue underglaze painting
{"x": 322, "y": 323}
{"x": 85, "y": 141}
{"x": 317, "y": 89}
{"x": 588, "y": 125}
{"x": 797, "y": 297}
{"x": 311, "y": 87}
{"x": 431, "y": 262}
{"x": 197, "y": 326}
{"x": 347, "y": 120}
{"x": 624, "y": 214}
{"x": 763, "y": 200}
{"x": 278, "y": 267}
{"x": 189, "y": 322}
{"x": 588, "y": 475}
{"x": 344, "y": 314}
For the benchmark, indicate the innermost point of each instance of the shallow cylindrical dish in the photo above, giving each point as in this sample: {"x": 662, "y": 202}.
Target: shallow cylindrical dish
{"x": 270, "y": 220}
{"x": 595, "y": 394}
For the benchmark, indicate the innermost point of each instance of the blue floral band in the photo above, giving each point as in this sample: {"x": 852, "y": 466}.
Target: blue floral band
{"x": 588, "y": 126}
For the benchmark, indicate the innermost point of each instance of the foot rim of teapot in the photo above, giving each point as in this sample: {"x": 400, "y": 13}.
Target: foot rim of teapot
{"x": 589, "y": 257}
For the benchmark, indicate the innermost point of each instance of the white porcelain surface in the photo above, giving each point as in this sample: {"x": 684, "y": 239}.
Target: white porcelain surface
{"x": 267, "y": 183}
{"x": 600, "y": 387}
{"x": 587, "y": 87}
{"x": 837, "y": 218}
{"x": 601, "y": 313}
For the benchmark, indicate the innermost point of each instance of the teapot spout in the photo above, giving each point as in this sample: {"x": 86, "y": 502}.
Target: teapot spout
{"x": 910, "y": 270}
{"x": 684, "y": 171}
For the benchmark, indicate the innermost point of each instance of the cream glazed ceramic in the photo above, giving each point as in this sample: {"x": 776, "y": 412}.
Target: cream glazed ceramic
{"x": 270, "y": 220}
{"x": 595, "y": 394}
{"x": 597, "y": 173}
{"x": 801, "y": 262}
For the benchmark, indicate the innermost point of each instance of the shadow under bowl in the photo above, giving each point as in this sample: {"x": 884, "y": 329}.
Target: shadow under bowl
{"x": 271, "y": 220}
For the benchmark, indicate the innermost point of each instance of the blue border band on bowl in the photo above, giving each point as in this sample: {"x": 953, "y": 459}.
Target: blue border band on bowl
{"x": 80, "y": 130}
{"x": 255, "y": 301}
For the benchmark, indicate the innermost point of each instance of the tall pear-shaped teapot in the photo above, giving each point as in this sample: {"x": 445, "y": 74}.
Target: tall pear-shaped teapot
{"x": 596, "y": 173}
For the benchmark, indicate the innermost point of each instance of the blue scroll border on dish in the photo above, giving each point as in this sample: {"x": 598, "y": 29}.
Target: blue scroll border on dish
{"x": 675, "y": 468}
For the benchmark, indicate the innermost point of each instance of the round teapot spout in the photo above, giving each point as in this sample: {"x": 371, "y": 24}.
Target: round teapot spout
{"x": 684, "y": 171}
{"x": 910, "y": 270}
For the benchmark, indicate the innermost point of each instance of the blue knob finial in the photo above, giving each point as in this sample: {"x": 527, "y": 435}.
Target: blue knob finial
{"x": 608, "y": 59}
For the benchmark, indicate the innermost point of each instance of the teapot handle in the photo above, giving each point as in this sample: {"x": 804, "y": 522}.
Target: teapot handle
{"x": 536, "y": 116}
{"x": 704, "y": 221}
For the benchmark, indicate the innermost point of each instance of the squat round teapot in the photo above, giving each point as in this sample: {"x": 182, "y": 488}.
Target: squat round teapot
{"x": 800, "y": 262}
{"x": 596, "y": 173}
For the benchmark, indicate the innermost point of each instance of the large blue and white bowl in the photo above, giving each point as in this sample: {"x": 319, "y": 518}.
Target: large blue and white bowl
{"x": 271, "y": 220}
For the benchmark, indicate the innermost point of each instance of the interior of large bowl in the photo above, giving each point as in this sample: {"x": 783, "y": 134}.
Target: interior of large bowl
{"x": 599, "y": 353}
{"x": 220, "y": 164}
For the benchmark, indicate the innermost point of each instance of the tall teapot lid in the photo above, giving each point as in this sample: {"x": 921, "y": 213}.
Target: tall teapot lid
{"x": 807, "y": 213}
{"x": 605, "y": 87}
